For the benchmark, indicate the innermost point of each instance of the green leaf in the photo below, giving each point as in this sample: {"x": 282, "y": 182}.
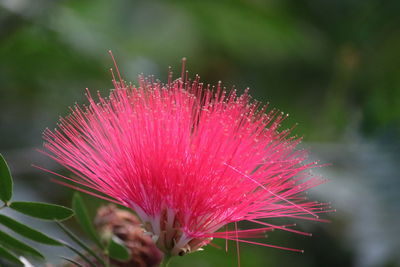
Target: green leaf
{"x": 117, "y": 250}
{"x": 80, "y": 243}
{"x": 81, "y": 214}
{"x": 10, "y": 241}
{"x": 42, "y": 210}
{"x": 27, "y": 232}
{"x": 4, "y": 253}
{"x": 6, "y": 182}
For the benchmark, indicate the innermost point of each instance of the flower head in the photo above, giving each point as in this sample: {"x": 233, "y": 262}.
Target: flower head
{"x": 189, "y": 159}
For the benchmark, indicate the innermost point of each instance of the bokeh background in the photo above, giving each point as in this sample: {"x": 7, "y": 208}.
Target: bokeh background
{"x": 334, "y": 66}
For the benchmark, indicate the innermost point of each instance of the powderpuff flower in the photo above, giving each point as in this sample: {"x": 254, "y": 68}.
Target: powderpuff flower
{"x": 189, "y": 159}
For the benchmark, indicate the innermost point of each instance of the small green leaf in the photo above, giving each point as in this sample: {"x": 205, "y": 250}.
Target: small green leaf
{"x": 27, "y": 232}
{"x": 117, "y": 250}
{"x": 4, "y": 253}
{"x": 42, "y": 210}
{"x": 6, "y": 182}
{"x": 81, "y": 214}
{"x": 10, "y": 241}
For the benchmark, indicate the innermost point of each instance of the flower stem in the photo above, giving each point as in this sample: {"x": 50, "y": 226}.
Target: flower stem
{"x": 5, "y": 205}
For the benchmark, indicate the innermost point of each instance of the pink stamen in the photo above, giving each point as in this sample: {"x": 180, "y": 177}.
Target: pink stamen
{"x": 189, "y": 158}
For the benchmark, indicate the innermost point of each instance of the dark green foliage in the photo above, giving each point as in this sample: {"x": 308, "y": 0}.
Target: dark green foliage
{"x": 6, "y": 183}
{"x": 82, "y": 216}
{"x": 27, "y": 231}
{"x": 34, "y": 209}
{"x": 4, "y": 253}
{"x": 117, "y": 250}
{"x": 42, "y": 211}
{"x": 10, "y": 241}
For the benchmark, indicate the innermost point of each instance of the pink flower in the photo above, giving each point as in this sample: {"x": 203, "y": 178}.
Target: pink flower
{"x": 189, "y": 159}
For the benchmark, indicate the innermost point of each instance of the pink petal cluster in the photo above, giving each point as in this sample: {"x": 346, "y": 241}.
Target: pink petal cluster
{"x": 189, "y": 159}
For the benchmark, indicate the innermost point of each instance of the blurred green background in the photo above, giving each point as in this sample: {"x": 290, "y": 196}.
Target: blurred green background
{"x": 334, "y": 66}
